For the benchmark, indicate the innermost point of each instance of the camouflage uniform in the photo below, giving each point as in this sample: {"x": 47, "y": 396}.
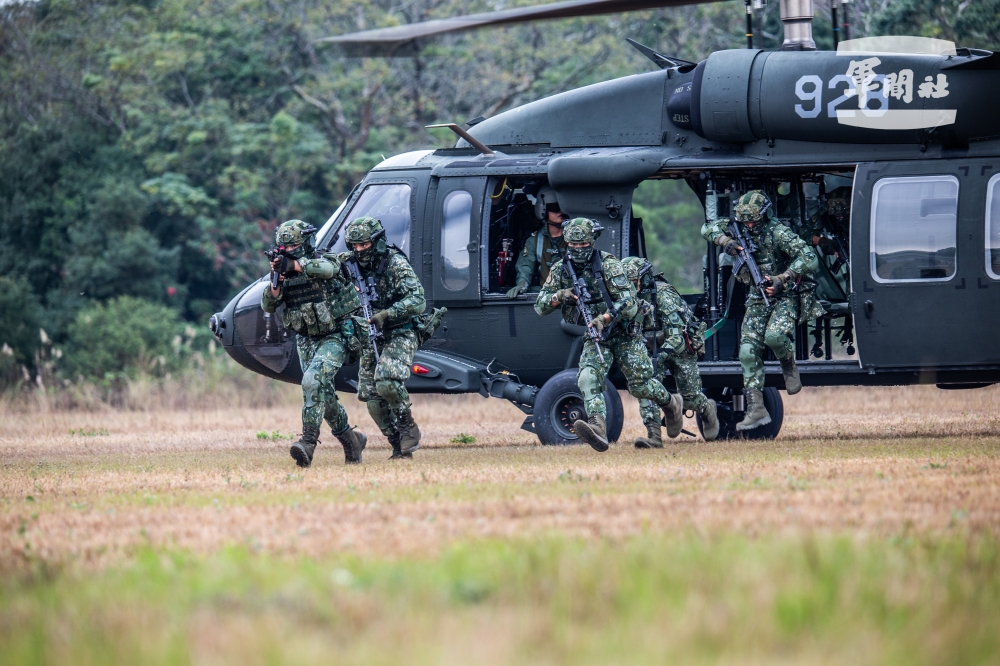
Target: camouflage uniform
{"x": 400, "y": 299}
{"x": 318, "y": 304}
{"x": 541, "y": 252}
{"x": 624, "y": 342}
{"x": 782, "y": 255}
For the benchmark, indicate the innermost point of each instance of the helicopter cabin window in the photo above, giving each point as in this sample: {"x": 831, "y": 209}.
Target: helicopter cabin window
{"x": 993, "y": 227}
{"x": 914, "y": 229}
{"x": 388, "y": 202}
{"x": 456, "y": 232}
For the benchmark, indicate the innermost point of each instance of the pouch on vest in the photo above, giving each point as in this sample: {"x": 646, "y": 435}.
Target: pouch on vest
{"x": 425, "y": 324}
{"x": 809, "y": 306}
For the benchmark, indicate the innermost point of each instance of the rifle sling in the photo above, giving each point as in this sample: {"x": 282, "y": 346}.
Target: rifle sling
{"x": 717, "y": 326}
{"x": 598, "y": 267}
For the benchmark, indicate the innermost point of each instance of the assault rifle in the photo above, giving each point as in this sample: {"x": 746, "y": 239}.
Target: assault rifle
{"x": 746, "y": 257}
{"x": 284, "y": 266}
{"x": 582, "y": 294}
{"x": 367, "y": 295}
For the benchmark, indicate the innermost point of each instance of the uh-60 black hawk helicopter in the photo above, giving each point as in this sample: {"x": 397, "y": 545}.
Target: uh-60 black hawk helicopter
{"x": 907, "y": 126}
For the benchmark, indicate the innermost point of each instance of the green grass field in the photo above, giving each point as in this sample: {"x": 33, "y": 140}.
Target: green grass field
{"x": 183, "y": 537}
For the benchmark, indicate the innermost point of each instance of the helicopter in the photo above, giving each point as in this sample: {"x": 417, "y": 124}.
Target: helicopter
{"x": 904, "y": 125}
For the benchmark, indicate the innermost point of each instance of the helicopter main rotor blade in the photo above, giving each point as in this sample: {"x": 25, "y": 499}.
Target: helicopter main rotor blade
{"x": 401, "y": 40}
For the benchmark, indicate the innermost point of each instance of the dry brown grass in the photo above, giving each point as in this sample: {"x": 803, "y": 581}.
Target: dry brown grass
{"x": 861, "y": 461}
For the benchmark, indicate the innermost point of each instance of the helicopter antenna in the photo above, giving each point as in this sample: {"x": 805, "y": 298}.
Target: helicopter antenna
{"x": 473, "y": 141}
{"x": 658, "y": 59}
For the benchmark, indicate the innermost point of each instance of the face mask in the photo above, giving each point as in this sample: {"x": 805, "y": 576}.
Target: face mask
{"x": 298, "y": 252}
{"x": 365, "y": 256}
{"x": 581, "y": 255}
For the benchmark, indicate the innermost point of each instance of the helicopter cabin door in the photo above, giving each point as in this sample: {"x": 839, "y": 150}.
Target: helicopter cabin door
{"x": 925, "y": 264}
{"x": 458, "y": 213}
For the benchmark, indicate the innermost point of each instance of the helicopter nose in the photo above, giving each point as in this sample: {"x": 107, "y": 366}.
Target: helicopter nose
{"x": 216, "y": 323}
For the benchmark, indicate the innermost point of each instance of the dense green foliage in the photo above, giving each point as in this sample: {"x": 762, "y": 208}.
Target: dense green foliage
{"x": 148, "y": 148}
{"x": 123, "y": 337}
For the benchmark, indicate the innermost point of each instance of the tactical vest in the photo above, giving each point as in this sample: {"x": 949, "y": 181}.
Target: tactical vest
{"x": 770, "y": 259}
{"x": 313, "y": 306}
{"x": 596, "y": 279}
{"x": 547, "y": 252}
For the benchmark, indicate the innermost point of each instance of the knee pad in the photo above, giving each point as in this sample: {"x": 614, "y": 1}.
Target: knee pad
{"x": 387, "y": 389}
{"x": 780, "y": 344}
{"x": 310, "y": 387}
{"x": 748, "y": 354}
{"x": 590, "y": 383}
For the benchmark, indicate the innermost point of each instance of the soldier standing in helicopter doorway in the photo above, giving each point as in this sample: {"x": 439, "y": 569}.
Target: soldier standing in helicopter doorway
{"x": 318, "y": 307}
{"x": 613, "y": 304}
{"x": 399, "y": 302}
{"x": 544, "y": 247}
{"x": 675, "y": 337}
{"x": 786, "y": 262}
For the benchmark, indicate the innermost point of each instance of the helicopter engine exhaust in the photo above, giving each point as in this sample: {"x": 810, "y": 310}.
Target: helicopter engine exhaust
{"x": 797, "y": 18}
{"x": 861, "y": 95}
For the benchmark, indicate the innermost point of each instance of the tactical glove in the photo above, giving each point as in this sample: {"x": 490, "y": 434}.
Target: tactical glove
{"x": 781, "y": 282}
{"x": 380, "y": 318}
{"x": 516, "y": 289}
{"x": 597, "y": 323}
{"x": 563, "y": 296}
{"x": 731, "y": 247}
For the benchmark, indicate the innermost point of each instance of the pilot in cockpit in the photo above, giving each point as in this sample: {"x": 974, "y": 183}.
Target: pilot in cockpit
{"x": 543, "y": 248}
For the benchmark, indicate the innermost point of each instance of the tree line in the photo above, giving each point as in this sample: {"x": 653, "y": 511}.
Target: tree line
{"x": 148, "y": 148}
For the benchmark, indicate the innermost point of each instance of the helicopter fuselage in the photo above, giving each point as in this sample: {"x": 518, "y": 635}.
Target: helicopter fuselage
{"x": 915, "y": 136}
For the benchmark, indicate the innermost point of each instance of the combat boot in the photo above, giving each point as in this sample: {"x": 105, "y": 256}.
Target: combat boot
{"x": 756, "y": 414}
{"x": 397, "y": 452}
{"x": 790, "y": 371}
{"x": 709, "y": 421}
{"x": 302, "y": 450}
{"x": 409, "y": 433}
{"x": 673, "y": 415}
{"x": 593, "y": 431}
{"x": 354, "y": 443}
{"x": 652, "y": 440}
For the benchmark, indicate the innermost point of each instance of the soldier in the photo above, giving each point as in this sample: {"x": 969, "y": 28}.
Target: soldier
{"x": 832, "y": 218}
{"x": 613, "y": 305}
{"x": 543, "y": 248}
{"x": 400, "y": 298}
{"x": 318, "y": 307}
{"x": 784, "y": 259}
{"x": 670, "y": 327}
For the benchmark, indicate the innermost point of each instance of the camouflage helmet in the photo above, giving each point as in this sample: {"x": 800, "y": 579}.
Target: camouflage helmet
{"x": 364, "y": 230}
{"x": 581, "y": 230}
{"x": 294, "y": 232}
{"x": 752, "y": 206}
{"x": 298, "y": 234}
{"x": 636, "y": 267}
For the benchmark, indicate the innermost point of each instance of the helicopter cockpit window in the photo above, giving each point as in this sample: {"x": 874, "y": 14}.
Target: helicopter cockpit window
{"x": 914, "y": 229}
{"x": 993, "y": 227}
{"x": 389, "y": 202}
{"x": 455, "y": 236}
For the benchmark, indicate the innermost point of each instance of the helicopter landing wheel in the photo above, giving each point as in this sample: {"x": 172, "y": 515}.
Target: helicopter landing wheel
{"x": 729, "y": 417}
{"x": 559, "y": 404}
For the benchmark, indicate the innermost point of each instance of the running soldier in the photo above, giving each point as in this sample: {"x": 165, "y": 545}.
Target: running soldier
{"x": 675, "y": 338}
{"x": 318, "y": 304}
{"x": 785, "y": 261}
{"x": 613, "y": 304}
{"x": 399, "y": 298}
